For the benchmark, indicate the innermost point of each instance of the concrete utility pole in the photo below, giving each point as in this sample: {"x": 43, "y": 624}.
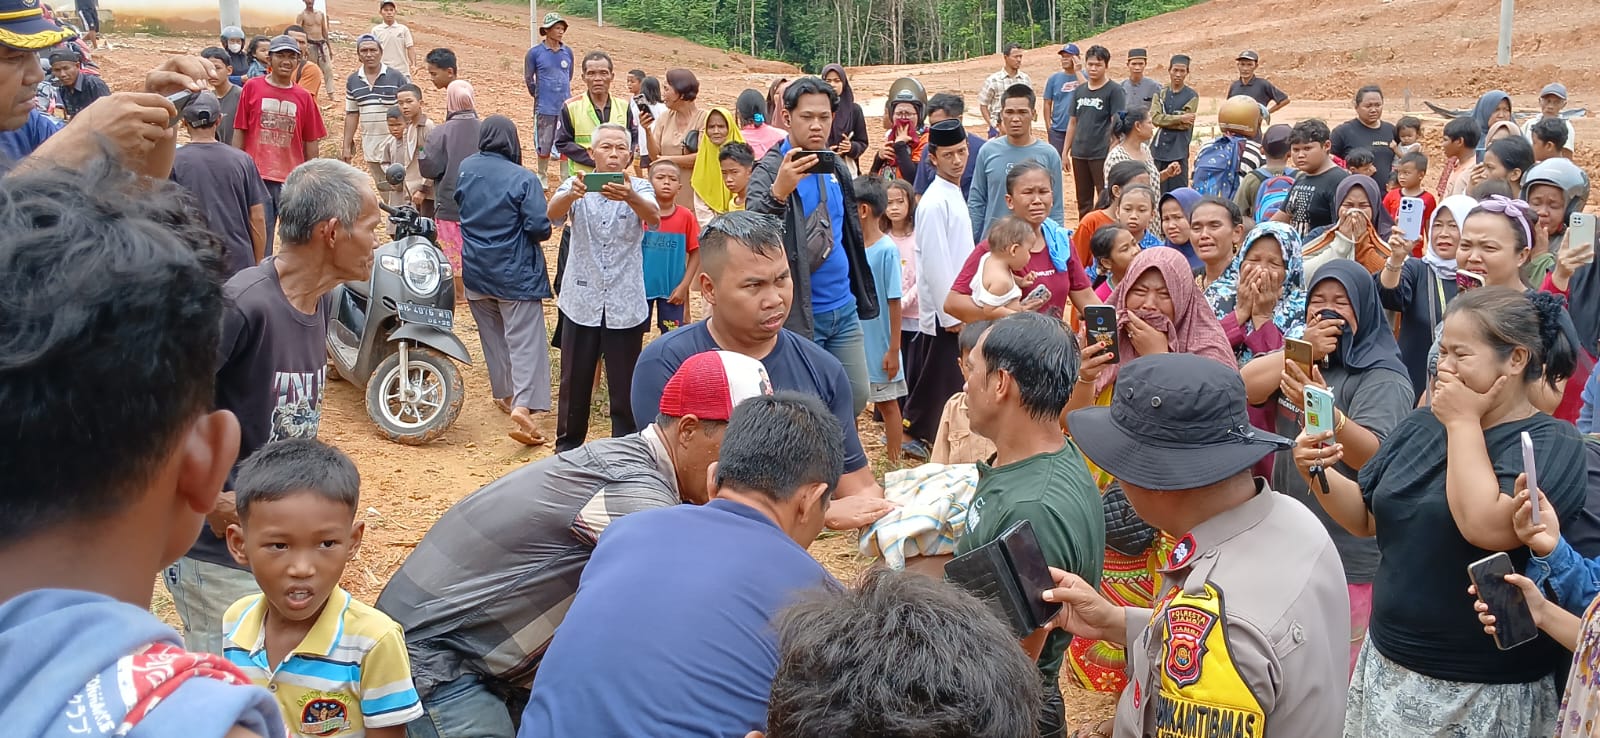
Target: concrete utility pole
{"x": 1507, "y": 7}
{"x": 533, "y": 23}
{"x": 600, "y": 13}
{"x": 228, "y": 10}
{"x": 1000, "y": 21}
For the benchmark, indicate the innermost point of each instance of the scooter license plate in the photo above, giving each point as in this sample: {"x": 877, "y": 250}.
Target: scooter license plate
{"x": 436, "y": 317}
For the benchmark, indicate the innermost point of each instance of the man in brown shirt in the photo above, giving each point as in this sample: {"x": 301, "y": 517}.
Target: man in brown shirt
{"x": 1250, "y": 634}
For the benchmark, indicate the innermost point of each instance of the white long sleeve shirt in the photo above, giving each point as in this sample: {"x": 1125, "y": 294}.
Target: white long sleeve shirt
{"x": 944, "y": 241}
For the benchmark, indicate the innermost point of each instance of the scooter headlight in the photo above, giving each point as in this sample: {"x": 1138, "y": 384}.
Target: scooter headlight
{"x": 420, "y": 270}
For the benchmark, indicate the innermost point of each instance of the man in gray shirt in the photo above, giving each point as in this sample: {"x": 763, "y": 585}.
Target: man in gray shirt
{"x": 1138, "y": 91}
{"x": 483, "y": 593}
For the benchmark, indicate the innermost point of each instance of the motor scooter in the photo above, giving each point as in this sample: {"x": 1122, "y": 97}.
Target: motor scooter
{"x": 392, "y": 333}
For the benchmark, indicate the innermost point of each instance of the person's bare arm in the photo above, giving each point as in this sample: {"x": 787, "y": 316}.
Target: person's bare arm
{"x": 1342, "y": 499}
{"x": 644, "y": 207}
{"x": 393, "y": 731}
{"x": 313, "y": 149}
{"x": 258, "y": 231}
{"x": 348, "y": 149}
{"x": 561, "y": 204}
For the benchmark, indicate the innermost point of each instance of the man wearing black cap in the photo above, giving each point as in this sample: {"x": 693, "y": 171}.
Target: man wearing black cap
{"x": 1264, "y": 92}
{"x": 1172, "y": 111}
{"x": 1138, "y": 90}
{"x": 77, "y": 89}
{"x": 1252, "y": 628}
{"x": 225, "y": 183}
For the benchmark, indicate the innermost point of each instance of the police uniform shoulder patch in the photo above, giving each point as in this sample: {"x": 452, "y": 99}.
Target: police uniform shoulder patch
{"x": 1187, "y": 628}
{"x": 1181, "y": 552}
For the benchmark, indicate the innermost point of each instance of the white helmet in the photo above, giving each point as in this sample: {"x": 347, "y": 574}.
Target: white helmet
{"x": 1563, "y": 175}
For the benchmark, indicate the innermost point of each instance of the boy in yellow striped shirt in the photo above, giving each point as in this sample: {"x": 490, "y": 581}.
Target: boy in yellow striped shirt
{"x": 337, "y": 667}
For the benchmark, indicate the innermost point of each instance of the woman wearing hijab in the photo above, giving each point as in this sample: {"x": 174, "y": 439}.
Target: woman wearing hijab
{"x": 1159, "y": 310}
{"x": 1362, "y": 232}
{"x": 711, "y": 196}
{"x": 1174, "y": 219}
{"x": 1261, "y": 299}
{"x": 1354, "y": 355}
{"x": 450, "y": 143}
{"x": 849, "y": 135}
{"x": 1419, "y": 290}
{"x": 1437, "y": 496}
{"x": 1493, "y": 108}
{"x": 759, "y": 134}
{"x": 503, "y": 222}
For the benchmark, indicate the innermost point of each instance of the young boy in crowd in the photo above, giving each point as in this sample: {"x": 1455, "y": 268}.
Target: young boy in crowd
{"x": 1361, "y": 161}
{"x": 882, "y": 334}
{"x": 737, "y": 160}
{"x": 1310, "y": 206}
{"x": 671, "y": 251}
{"x": 1549, "y": 137}
{"x": 336, "y": 665}
{"x": 1460, "y": 151}
{"x": 394, "y": 151}
{"x": 1408, "y": 176}
{"x": 1275, "y": 147}
{"x": 441, "y": 64}
{"x": 956, "y": 443}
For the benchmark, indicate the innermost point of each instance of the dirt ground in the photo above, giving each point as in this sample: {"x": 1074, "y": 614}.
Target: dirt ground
{"x": 1419, "y": 49}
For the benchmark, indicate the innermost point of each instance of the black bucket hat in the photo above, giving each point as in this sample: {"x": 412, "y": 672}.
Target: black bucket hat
{"x": 1176, "y": 422}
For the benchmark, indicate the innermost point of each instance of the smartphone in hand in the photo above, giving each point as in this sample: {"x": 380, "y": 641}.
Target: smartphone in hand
{"x": 1580, "y": 230}
{"x": 1410, "y": 219}
{"x": 1513, "y": 621}
{"x": 1533, "y": 475}
{"x": 1100, "y": 324}
{"x": 825, "y": 159}
{"x": 1319, "y": 410}
{"x": 1299, "y": 352}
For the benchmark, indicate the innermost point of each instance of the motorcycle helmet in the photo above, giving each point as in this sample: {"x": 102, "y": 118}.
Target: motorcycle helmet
{"x": 233, "y": 33}
{"x": 1240, "y": 115}
{"x": 1562, "y": 174}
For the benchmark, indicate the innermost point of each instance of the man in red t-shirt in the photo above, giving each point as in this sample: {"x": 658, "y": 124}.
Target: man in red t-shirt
{"x": 278, "y": 123}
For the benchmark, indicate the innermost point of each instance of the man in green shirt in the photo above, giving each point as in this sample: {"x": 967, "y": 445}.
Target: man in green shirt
{"x": 1018, "y": 380}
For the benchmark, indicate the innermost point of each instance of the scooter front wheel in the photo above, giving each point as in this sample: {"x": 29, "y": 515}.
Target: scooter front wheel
{"x": 419, "y": 408}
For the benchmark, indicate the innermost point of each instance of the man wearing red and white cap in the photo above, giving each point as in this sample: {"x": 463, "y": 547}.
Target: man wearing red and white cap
{"x": 482, "y": 594}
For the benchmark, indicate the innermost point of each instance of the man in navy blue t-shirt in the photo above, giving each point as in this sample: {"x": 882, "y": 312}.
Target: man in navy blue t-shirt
{"x": 670, "y": 633}
{"x": 745, "y": 279}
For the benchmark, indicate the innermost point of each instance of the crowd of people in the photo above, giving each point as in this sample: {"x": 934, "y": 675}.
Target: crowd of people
{"x": 1133, "y": 377}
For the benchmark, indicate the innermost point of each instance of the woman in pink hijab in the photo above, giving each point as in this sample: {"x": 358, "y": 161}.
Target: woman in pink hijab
{"x": 447, "y": 145}
{"x": 1159, "y": 310}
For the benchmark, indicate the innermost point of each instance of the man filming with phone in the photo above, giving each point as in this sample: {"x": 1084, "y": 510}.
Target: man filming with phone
{"x": 603, "y": 310}
{"x": 1178, "y": 440}
{"x": 808, "y": 187}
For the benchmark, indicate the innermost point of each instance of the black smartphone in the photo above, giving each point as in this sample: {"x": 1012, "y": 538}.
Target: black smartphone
{"x": 179, "y": 100}
{"x": 639, "y": 101}
{"x": 825, "y": 159}
{"x": 1033, "y": 574}
{"x": 1100, "y": 323}
{"x": 1513, "y": 622}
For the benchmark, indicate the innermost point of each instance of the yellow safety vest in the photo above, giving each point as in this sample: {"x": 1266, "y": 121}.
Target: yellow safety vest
{"x": 1200, "y": 693}
{"x": 585, "y": 119}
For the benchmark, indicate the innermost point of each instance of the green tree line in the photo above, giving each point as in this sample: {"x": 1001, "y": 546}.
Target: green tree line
{"x": 812, "y": 33}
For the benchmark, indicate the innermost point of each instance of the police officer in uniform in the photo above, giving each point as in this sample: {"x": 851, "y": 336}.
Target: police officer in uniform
{"x": 1250, "y": 635}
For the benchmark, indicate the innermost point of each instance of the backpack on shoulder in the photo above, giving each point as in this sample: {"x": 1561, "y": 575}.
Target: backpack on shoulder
{"x": 1274, "y": 191}
{"x": 1216, "y": 167}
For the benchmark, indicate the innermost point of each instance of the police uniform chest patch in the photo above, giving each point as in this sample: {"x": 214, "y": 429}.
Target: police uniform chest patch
{"x": 1185, "y": 646}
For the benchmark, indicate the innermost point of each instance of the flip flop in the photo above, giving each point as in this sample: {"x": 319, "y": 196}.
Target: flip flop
{"x": 526, "y": 438}
{"x": 504, "y": 405}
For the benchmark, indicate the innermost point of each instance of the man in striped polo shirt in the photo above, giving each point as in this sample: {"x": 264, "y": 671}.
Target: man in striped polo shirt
{"x": 368, "y": 94}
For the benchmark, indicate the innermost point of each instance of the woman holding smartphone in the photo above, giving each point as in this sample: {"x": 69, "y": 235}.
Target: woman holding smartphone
{"x": 1159, "y": 310}
{"x": 1419, "y": 290}
{"x": 1437, "y": 497}
{"x": 1354, "y": 356}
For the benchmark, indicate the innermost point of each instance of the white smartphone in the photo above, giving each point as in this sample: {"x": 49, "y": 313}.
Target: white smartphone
{"x": 1410, "y": 219}
{"x": 1532, "y": 472}
{"x": 1580, "y": 230}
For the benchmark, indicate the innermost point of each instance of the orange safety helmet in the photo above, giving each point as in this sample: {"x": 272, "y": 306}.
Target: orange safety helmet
{"x": 1240, "y": 115}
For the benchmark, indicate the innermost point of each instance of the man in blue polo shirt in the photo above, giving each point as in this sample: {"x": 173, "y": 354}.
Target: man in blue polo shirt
{"x": 746, "y": 281}
{"x": 670, "y": 632}
{"x": 547, "y": 70}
